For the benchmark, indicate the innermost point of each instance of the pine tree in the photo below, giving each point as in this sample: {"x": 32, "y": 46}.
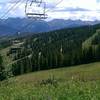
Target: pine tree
{"x": 2, "y": 70}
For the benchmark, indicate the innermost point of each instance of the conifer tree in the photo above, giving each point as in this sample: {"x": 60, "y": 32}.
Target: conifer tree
{"x": 2, "y": 70}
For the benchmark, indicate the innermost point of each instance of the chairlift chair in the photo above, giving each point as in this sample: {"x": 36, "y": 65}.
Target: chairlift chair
{"x": 34, "y": 14}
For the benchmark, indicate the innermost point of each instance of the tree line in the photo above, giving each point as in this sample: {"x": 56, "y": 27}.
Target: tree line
{"x": 60, "y": 48}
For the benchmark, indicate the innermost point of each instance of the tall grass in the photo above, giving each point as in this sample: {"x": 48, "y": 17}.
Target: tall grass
{"x": 76, "y": 83}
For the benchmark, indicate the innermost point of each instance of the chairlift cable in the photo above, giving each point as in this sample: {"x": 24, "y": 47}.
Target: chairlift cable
{"x": 20, "y": 1}
{"x": 55, "y": 6}
{"x": 12, "y": 7}
{"x": 5, "y": 15}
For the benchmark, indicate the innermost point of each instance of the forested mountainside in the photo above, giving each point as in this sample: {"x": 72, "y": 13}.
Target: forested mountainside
{"x": 55, "y": 49}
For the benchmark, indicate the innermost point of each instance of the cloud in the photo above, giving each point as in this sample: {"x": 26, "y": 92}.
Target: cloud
{"x": 70, "y": 9}
{"x": 77, "y": 9}
{"x": 87, "y": 15}
{"x": 87, "y": 4}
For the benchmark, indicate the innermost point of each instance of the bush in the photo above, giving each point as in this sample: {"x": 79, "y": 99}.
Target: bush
{"x": 3, "y": 75}
{"x": 50, "y": 81}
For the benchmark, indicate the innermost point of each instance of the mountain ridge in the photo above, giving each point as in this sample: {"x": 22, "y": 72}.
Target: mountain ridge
{"x": 14, "y": 25}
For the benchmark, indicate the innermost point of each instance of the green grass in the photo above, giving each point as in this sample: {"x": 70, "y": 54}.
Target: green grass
{"x": 73, "y": 83}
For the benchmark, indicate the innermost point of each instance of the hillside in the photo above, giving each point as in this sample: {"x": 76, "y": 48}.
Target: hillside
{"x": 73, "y": 83}
{"x": 49, "y": 50}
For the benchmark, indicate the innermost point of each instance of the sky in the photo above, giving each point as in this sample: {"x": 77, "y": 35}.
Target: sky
{"x": 88, "y": 10}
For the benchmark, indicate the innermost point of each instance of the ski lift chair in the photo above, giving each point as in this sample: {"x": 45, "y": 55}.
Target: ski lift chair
{"x": 36, "y": 15}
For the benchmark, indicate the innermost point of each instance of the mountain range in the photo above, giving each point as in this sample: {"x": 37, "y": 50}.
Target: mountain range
{"x": 14, "y": 25}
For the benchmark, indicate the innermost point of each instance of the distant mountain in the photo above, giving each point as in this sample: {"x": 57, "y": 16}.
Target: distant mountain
{"x": 60, "y": 23}
{"x": 14, "y": 25}
{"x": 5, "y": 30}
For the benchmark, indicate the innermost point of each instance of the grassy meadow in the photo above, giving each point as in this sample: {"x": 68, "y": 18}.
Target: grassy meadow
{"x": 74, "y": 83}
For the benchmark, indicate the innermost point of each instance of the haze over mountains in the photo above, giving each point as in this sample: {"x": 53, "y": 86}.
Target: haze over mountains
{"x": 14, "y": 25}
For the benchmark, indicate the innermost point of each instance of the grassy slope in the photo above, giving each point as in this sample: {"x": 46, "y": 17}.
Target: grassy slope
{"x": 74, "y": 83}
{"x": 87, "y": 43}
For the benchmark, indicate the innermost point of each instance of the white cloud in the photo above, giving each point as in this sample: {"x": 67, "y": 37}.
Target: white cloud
{"x": 87, "y": 4}
{"x": 92, "y": 13}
